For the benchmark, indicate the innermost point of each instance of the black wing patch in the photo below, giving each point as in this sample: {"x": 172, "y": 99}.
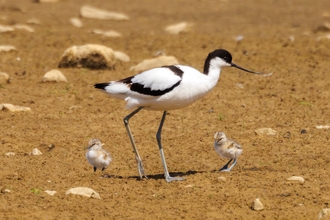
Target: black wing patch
{"x": 176, "y": 70}
{"x": 136, "y": 87}
{"x": 139, "y": 88}
{"x": 101, "y": 85}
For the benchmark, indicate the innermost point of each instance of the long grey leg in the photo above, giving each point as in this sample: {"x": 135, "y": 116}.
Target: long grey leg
{"x": 168, "y": 178}
{"x": 225, "y": 168}
{"x": 137, "y": 155}
{"x": 232, "y": 166}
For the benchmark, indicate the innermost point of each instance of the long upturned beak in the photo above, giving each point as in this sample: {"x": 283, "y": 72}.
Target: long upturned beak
{"x": 241, "y": 68}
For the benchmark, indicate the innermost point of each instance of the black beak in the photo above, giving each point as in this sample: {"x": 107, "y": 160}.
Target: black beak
{"x": 241, "y": 68}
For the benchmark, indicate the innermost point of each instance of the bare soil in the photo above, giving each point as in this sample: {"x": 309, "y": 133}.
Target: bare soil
{"x": 279, "y": 37}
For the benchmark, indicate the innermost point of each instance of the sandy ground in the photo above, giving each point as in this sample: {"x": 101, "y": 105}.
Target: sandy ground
{"x": 279, "y": 37}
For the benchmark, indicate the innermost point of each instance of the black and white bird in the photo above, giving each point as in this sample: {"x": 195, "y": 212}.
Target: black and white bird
{"x": 96, "y": 155}
{"x": 228, "y": 149}
{"x": 167, "y": 88}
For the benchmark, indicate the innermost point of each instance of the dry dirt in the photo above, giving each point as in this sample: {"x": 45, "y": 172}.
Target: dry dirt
{"x": 279, "y": 37}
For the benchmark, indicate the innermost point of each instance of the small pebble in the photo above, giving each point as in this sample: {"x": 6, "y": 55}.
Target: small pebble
{"x": 265, "y": 131}
{"x": 83, "y": 191}
{"x": 296, "y": 178}
{"x": 54, "y": 76}
{"x": 178, "y": 28}
{"x": 324, "y": 214}
{"x": 35, "y": 152}
{"x": 257, "y": 205}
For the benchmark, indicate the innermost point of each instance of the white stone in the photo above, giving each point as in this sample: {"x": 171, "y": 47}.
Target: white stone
{"x": 326, "y": 36}
{"x": 154, "y": 62}
{"x": 8, "y": 154}
{"x": 33, "y": 21}
{"x": 178, "y": 28}
{"x": 6, "y": 48}
{"x": 121, "y": 56}
{"x": 84, "y": 191}
{"x": 324, "y": 214}
{"x": 265, "y": 131}
{"x": 24, "y": 27}
{"x": 14, "y": 108}
{"x": 54, "y": 76}
{"x": 6, "y": 28}
{"x": 95, "y": 13}
{"x": 296, "y": 178}
{"x": 322, "y": 126}
{"x": 257, "y": 205}
{"x": 239, "y": 38}
{"x": 35, "y": 152}
{"x": 222, "y": 178}
{"x": 92, "y": 56}
{"x": 4, "y": 78}
{"x": 50, "y": 192}
{"x": 76, "y": 22}
{"x": 109, "y": 33}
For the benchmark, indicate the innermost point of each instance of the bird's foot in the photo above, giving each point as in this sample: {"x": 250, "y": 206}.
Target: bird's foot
{"x": 170, "y": 179}
{"x": 141, "y": 170}
{"x": 224, "y": 170}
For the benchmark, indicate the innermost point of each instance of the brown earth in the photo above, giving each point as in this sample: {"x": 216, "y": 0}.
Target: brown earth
{"x": 295, "y": 98}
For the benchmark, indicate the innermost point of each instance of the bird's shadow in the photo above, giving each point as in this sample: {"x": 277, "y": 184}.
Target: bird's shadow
{"x": 155, "y": 176}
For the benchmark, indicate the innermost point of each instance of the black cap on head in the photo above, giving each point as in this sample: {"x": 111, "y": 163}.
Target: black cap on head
{"x": 221, "y": 53}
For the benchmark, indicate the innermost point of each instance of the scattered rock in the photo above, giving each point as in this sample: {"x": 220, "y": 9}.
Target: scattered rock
{"x": 91, "y": 56}
{"x": 121, "y": 56}
{"x": 324, "y": 214}
{"x": 74, "y": 107}
{"x": 303, "y": 131}
{"x": 33, "y": 21}
{"x": 222, "y": 178}
{"x": 50, "y": 192}
{"x": 54, "y": 76}
{"x": 109, "y": 33}
{"x": 257, "y": 205}
{"x": 291, "y": 38}
{"x": 84, "y": 191}
{"x": 46, "y": 147}
{"x": 6, "y": 28}
{"x": 239, "y": 38}
{"x": 239, "y": 85}
{"x": 76, "y": 22}
{"x": 95, "y": 13}
{"x": 35, "y": 152}
{"x": 265, "y": 131}
{"x": 6, "y": 48}
{"x": 14, "y": 108}
{"x": 178, "y": 28}
{"x": 322, "y": 126}
{"x": 8, "y": 154}
{"x": 4, "y": 190}
{"x": 325, "y": 27}
{"x": 4, "y": 78}
{"x": 296, "y": 178}
{"x": 24, "y": 27}
{"x": 155, "y": 62}
{"x": 327, "y": 37}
